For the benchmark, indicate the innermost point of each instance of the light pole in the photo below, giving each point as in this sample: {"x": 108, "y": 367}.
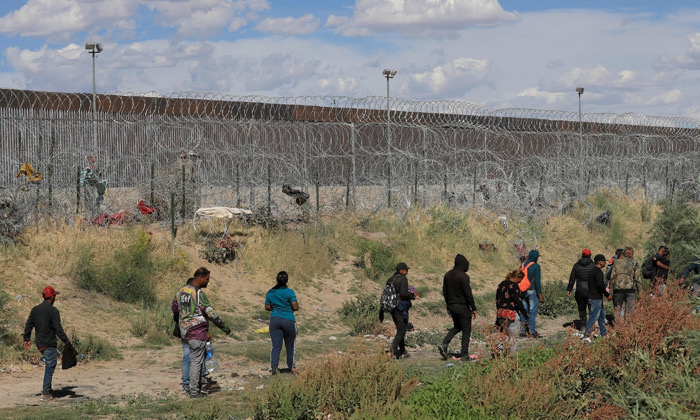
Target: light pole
{"x": 579, "y": 90}
{"x": 93, "y": 48}
{"x": 389, "y": 74}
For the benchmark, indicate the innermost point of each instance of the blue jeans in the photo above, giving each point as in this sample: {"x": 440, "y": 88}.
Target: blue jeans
{"x": 51, "y": 357}
{"x": 597, "y": 313}
{"x": 532, "y": 304}
{"x": 186, "y": 366}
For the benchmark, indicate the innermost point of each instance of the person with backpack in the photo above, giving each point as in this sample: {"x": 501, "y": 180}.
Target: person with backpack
{"x": 508, "y": 305}
{"x": 579, "y": 278}
{"x": 395, "y": 290}
{"x": 459, "y": 300}
{"x": 281, "y": 301}
{"x": 596, "y": 291}
{"x": 608, "y": 269}
{"x": 194, "y": 313}
{"x": 625, "y": 283}
{"x": 533, "y": 294}
{"x": 207, "y": 382}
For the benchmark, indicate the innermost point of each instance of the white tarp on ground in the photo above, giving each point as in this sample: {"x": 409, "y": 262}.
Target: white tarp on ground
{"x": 222, "y": 212}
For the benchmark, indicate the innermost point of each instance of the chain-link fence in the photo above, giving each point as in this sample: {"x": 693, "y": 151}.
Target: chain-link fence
{"x": 346, "y": 153}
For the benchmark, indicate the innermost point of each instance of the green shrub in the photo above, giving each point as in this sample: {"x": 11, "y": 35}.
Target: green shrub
{"x": 556, "y": 302}
{"x": 126, "y": 277}
{"x": 381, "y": 258}
{"x": 419, "y": 338}
{"x": 678, "y": 227}
{"x": 93, "y": 348}
{"x": 361, "y": 314}
{"x": 140, "y": 324}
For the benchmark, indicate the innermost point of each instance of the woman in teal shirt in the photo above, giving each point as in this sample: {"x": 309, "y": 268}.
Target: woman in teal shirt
{"x": 282, "y": 302}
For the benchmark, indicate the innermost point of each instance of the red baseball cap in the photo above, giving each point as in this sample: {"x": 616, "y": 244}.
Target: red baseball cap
{"x": 48, "y": 292}
{"x": 586, "y": 253}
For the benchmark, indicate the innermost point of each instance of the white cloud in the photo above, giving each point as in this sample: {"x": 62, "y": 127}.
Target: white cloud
{"x": 203, "y": 18}
{"x": 59, "y": 19}
{"x": 452, "y": 78}
{"x": 420, "y": 15}
{"x": 549, "y": 98}
{"x": 289, "y": 25}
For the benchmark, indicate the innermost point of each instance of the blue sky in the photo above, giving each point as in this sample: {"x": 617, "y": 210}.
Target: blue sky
{"x": 631, "y": 56}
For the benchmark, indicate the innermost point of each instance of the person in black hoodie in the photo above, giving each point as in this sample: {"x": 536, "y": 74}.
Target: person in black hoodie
{"x": 579, "y": 278}
{"x": 460, "y": 305}
{"x": 398, "y": 346}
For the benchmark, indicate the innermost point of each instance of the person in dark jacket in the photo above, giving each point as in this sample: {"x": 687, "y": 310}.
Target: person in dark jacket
{"x": 398, "y": 346}
{"x": 508, "y": 304}
{"x": 596, "y": 291}
{"x": 533, "y": 296}
{"x": 579, "y": 278}
{"x": 460, "y": 306}
{"x": 662, "y": 263}
{"x": 46, "y": 321}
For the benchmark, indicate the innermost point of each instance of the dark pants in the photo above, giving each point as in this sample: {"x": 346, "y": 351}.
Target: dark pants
{"x": 398, "y": 346}
{"x": 282, "y": 329}
{"x": 583, "y": 307}
{"x": 462, "y": 320}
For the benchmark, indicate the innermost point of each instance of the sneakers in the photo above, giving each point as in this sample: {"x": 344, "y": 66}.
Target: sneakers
{"x": 198, "y": 395}
{"x": 535, "y": 335}
{"x": 586, "y": 340}
{"x": 523, "y": 335}
{"x": 47, "y": 397}
{"x": 443, "y": 351}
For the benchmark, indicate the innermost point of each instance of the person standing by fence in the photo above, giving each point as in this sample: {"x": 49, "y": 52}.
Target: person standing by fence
{"x": 579, "y": 279}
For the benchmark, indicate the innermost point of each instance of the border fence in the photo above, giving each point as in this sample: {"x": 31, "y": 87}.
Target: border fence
{"x": 346, "y": 153}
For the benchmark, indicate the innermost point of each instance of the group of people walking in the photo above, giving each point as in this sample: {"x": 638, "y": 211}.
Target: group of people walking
{"x": 517, "y": 301}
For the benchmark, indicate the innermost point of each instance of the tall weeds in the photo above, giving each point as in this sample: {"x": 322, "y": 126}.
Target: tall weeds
{"x": 359, "y": 380}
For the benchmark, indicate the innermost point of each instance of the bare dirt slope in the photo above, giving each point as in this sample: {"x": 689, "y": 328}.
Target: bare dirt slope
{"x": 155, "y": 370}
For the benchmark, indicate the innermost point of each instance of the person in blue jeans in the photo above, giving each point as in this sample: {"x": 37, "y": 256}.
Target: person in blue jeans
{"x": 186, "y": 368}
{"x": 533, "y": 296}
{"x": 186, "y": 355}
{"x": 282, "y": 302}
{"x": 596, "y": 291}
{"x": 46, "y": 320}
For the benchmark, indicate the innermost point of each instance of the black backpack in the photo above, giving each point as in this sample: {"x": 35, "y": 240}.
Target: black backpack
{"x": 389, "y": 299}
{"x": 648, "y": 268}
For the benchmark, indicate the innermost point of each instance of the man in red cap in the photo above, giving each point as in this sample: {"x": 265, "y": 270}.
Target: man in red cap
{"x": 579, "y": 278}
{"x": 46, "y": 319}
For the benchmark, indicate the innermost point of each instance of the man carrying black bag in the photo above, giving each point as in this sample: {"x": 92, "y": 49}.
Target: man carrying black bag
{"x": 46, "y": 320}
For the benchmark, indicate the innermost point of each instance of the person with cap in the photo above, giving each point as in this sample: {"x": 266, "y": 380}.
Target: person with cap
{"x": 459, "y": 300}
{"x": 579, "y": 278}
{"x": 194, "y": 312}
{"x": 596, "y": 290}
{"x": 400, "y": 281}
{"x": 45, "y": 319}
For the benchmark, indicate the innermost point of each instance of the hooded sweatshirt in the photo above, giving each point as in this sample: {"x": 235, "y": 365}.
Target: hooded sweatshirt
{"x": 455, "y": 285}
{"x": 579, "y": 275}
{"x": 533, "y": 272}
